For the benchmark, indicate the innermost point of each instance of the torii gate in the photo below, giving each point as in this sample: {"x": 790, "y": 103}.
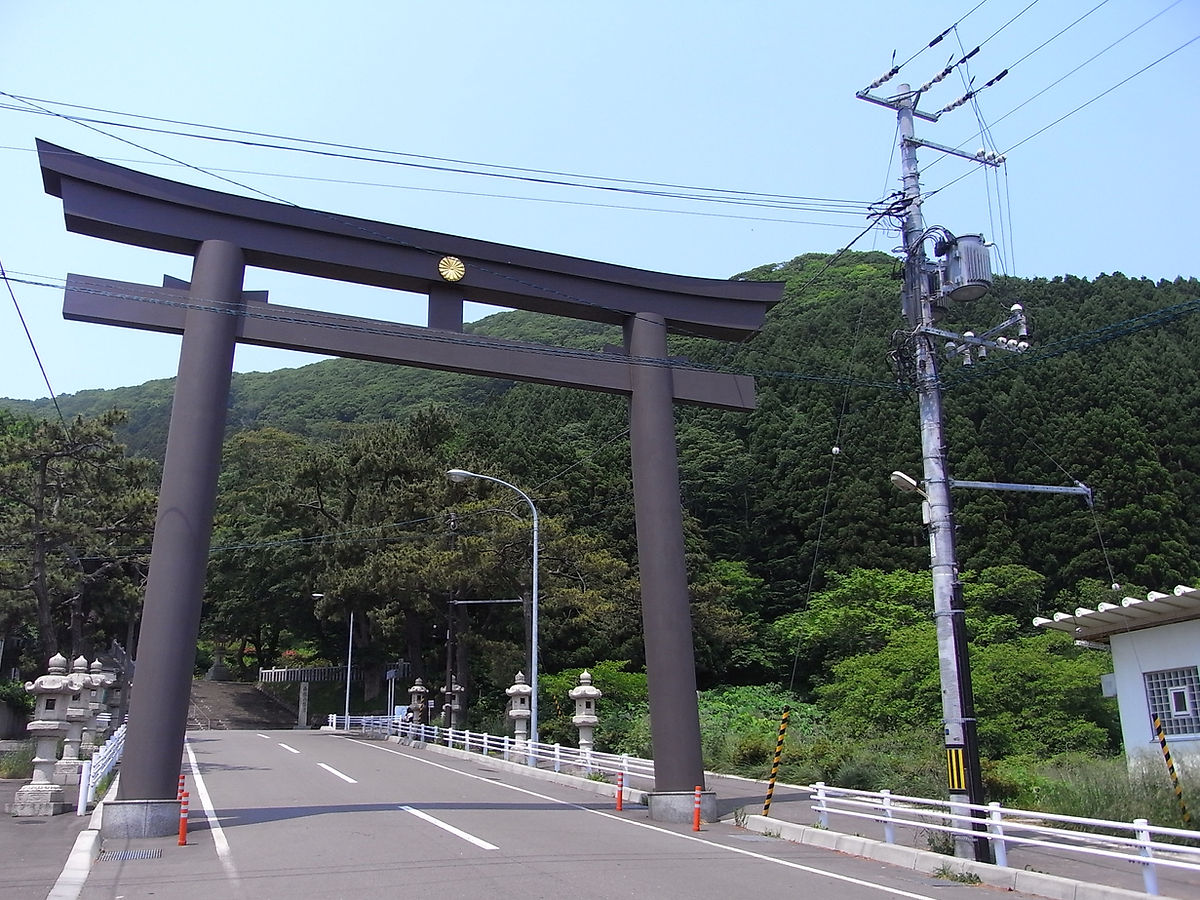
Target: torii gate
{"x": 225, "y": 233}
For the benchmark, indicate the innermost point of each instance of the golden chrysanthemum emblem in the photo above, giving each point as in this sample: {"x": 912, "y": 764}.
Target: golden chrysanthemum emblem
{"x": 451, "y": 268}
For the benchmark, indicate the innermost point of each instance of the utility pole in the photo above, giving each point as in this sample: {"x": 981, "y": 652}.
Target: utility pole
{"x": 962, "y": 274}
{"x": 921, "y": 309}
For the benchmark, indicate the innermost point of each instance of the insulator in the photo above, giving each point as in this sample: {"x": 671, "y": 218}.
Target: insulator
{"x": 885, "y": 77}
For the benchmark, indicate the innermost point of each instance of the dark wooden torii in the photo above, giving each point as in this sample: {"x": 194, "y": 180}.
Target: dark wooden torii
{"x": 225, "y": 233}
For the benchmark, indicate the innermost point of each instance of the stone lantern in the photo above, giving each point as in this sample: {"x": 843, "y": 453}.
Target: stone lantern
{"x": 42, "y": 796}
{"x": 218, "y": 671}
{"x": 518, "y": 708}
{"x": 81, "y": 682}
{"x": 458, "y": 711}
{"x": 416, "y": 701}
{"x": 99, "y": 720}
{"x": 585, "y": 697}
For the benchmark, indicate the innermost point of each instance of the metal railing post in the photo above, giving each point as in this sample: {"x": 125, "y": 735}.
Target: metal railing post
{"x": 889, "y": 829}
{"x": 85, "y": 787}
{"x": 1149, "y": 872}
{"x": 822, "y": 809}
{"x": 996, "y": 832}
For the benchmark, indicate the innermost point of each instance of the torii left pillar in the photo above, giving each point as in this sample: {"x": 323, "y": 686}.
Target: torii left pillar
{"x": 183, "y": 530}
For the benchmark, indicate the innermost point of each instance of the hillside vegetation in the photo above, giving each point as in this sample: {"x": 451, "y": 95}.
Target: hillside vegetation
{"x": 808, "y": 569}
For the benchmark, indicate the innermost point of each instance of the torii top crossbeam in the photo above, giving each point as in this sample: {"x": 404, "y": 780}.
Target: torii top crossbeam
{"x": 108, "y": 201}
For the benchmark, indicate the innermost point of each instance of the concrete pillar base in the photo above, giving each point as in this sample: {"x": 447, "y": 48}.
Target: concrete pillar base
{"x": 39, "y": 800}
{"x": 679, "y": 806}
{"x": 66, "y": 771}
{"x": 139, "y": 818}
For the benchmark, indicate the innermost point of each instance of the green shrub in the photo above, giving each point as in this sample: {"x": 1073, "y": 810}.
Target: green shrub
{"x": 14, "y": 694}
{"x": 1079, "y": 785}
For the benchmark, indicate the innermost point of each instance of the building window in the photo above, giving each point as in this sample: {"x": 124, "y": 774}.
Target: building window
{"x": 1173, "y": 696}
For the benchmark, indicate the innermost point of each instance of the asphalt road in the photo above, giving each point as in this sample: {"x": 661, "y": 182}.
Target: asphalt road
{"x": 312, "y": 815}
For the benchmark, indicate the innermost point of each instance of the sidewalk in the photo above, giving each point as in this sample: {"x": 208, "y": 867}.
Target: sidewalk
{"x": 35, "y": 848}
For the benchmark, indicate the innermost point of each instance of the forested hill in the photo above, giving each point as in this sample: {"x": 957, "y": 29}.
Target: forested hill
{"x": 1106, "y": 396}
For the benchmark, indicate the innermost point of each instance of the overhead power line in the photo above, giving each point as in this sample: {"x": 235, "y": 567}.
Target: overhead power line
{"x": 32, "y": 345}
{"x": 1078, "y": 108}
{"x": 448, "y": 165}
{"x": 556, "y": 201}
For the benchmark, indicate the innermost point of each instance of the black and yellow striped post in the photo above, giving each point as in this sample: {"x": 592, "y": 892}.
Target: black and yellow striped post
{"x": 775, "y": 763}
{"x": 1162, "y": 742}
{"x": 956, "y": 769}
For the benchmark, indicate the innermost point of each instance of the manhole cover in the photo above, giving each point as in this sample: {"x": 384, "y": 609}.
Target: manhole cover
{"x": 121, "y": 855}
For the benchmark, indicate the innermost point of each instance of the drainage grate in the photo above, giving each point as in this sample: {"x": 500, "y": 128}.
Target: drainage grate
{"x": 122, "y": 855}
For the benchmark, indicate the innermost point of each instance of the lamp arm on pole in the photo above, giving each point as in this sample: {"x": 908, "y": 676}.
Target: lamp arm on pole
{"x": 462, "y": 475}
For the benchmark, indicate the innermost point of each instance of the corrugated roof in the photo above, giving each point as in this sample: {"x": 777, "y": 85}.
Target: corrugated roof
{"x": 1132, "y": 614}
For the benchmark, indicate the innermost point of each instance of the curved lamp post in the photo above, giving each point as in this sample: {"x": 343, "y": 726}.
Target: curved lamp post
{"x": 461, "y": 475}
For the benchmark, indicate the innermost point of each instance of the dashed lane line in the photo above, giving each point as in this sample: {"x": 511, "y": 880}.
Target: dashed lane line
{"x": 445, "y": 826}
{"x": 835, "y": 876}
{"x": 340, "y": 775}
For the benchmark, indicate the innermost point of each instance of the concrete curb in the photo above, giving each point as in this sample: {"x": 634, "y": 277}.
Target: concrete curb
{"x": 930, "y": 863}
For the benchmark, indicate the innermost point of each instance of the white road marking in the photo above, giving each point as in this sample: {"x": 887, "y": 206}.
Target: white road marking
{"x": 265, "y": 737}
{"x": 895, "y": 892}
{"x": 220, "y": 844}
{"x": 334, "y": 771}
{"x": 457, "y": 832}
{"x": 287, "y": 748}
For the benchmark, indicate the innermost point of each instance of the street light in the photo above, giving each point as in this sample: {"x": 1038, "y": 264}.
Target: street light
{"x": 349, "y": 657}
{"x": 460, "y": 475}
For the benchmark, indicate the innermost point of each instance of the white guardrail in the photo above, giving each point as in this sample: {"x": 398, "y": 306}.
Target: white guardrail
{"x": 103, "y": 761}
{"x": 1133, "y": 842}
{"x": 554, "y": 756}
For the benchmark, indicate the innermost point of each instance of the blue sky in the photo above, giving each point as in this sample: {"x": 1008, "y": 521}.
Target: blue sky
{"x": 746, "y": 96}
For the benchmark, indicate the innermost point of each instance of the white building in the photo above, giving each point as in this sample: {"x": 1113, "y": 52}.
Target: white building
{"x": 1155, "y": 647}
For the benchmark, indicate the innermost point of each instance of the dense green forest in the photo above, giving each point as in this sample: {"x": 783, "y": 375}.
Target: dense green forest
{"x": 807, "y": 568}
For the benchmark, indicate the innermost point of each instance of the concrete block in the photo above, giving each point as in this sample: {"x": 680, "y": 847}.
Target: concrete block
{"x": 896, "y": 855}
{"x": 853, "y": 844}
{"x": 679, "y": 806}
{"x": 1044, "y": 885}
{"x": 139, "y": 818}
{"x": 996, "y": 876}
{"x": 820, "y": 837}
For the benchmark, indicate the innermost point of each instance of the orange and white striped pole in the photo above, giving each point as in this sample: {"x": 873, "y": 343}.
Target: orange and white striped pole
{"x": 620, "y": 791}
{"x": 696, "y": 809}
{"x": 183, "y": 818}
{"x": 182, "y": 786}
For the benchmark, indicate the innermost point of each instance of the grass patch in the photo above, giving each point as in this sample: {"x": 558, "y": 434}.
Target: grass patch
{"x": 944, "y": 871}
{"x": 1093, "y": 788}
{"x": 17, "y": 763}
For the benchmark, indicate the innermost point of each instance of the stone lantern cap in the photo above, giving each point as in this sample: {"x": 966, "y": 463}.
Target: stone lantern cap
{"x": 57, "y": 681}
{"x": 57, "y": 684}
{"x": 586, "y": 690}
{"x": 418, "y": 688}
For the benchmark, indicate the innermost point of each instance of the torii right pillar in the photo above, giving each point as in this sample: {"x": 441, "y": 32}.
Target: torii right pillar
{"x": 666, "y": 609}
